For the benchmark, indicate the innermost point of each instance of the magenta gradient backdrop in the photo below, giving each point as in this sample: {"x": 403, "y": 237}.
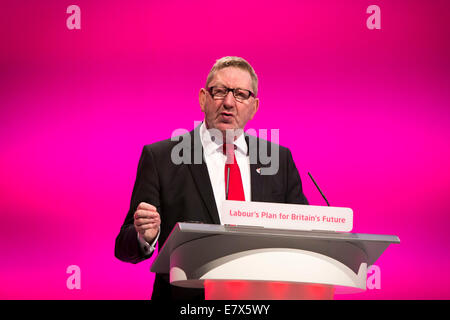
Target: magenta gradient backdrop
{"x": 365, "y": 111}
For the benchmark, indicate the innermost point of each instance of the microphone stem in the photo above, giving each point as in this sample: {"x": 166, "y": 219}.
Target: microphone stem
{"x": 318, "y": 188}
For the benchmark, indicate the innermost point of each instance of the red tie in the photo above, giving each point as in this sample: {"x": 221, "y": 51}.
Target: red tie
{"x": 235, "y": 188}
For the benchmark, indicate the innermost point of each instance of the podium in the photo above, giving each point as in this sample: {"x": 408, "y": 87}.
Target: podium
{"x": 249, "y": 263}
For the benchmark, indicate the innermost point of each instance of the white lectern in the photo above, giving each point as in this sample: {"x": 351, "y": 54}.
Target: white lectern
{"x": 237, "y": 262}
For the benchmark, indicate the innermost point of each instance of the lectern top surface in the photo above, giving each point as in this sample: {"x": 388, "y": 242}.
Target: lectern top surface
{"x": 373, "y": 244}
{"x": 246, "y": 230}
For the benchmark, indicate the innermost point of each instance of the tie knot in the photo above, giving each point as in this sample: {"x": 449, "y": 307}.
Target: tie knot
{"x": 228, "y": 150}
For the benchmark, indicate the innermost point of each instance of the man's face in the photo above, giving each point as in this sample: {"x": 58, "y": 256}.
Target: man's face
{"x": 228, "y": 113}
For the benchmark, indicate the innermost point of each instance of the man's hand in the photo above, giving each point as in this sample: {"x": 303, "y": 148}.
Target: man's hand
{"x": 147, "y": 221}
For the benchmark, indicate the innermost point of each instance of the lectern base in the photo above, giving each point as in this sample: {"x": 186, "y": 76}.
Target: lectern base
{"x": 262, "y": 290}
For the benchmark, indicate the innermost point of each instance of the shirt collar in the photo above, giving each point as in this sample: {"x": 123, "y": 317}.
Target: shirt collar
{"x": 210, "y": 146}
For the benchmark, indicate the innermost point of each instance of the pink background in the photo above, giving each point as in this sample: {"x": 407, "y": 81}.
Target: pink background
{"x": 365, "y": 111}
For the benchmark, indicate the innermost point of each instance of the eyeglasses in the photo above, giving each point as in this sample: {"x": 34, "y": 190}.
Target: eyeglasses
{"x": 219, "y": 93}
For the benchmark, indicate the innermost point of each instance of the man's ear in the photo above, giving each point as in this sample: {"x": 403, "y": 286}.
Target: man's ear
{"x": 256, "y": 107}
{"x": 202, "y": 98}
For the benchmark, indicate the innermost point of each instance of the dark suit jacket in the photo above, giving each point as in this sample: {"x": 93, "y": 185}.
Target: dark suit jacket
{"x": 183, "y": 192}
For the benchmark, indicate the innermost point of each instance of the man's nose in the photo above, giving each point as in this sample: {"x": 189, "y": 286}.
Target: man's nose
{"x": 229, "y": 101}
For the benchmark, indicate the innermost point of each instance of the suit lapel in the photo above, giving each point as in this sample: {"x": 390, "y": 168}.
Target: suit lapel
{"x": 257, "y": 181}
{"x": 200, "y": 175}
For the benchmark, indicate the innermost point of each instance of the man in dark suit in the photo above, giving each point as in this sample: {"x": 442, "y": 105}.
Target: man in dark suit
{"x": 176, "y": 184}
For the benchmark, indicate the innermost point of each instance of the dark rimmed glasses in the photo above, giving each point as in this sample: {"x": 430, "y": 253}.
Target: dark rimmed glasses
{"x": 220, "y": 92}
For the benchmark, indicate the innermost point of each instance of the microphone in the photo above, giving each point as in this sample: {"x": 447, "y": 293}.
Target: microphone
{"x": 228, "y": 182}
{"x": 318, "y": 188}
